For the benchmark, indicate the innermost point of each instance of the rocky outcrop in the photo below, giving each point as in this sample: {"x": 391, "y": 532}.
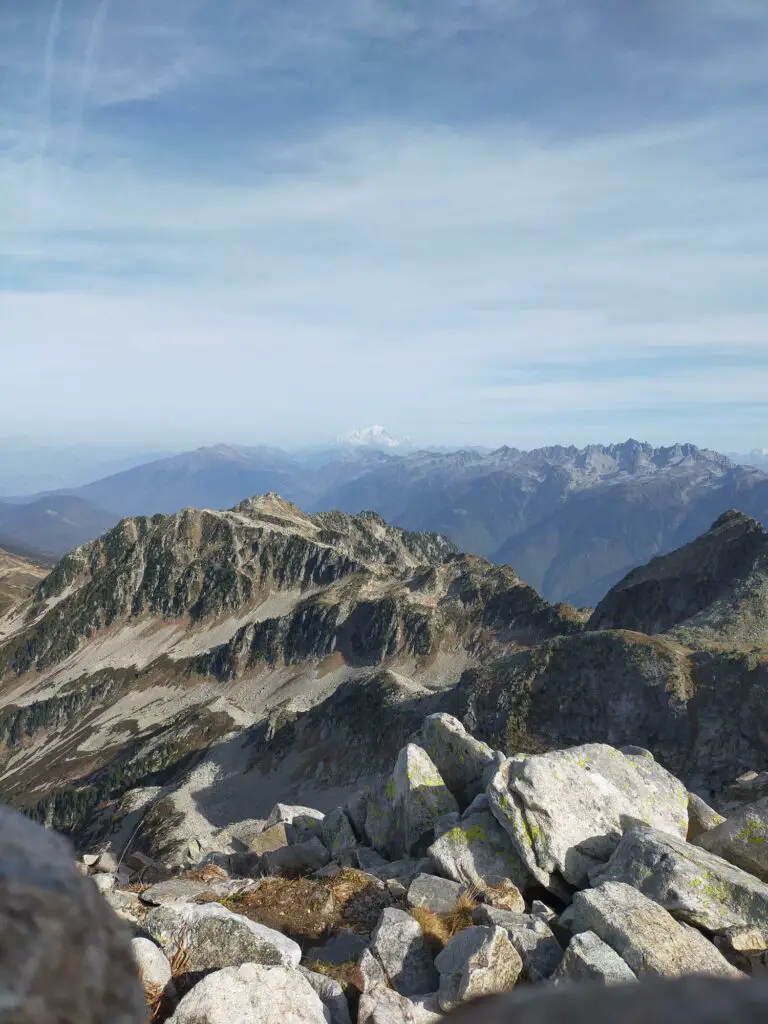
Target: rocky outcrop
{"x": 716, "y": 587}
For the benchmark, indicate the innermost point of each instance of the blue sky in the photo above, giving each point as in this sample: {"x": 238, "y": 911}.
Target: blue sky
{"x": 479, "y": 221}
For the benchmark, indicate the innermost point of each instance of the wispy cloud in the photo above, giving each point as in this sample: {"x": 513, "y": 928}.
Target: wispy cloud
{"x": 260, "y": 215}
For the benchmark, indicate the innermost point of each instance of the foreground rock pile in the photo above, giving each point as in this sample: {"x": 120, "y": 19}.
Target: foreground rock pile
{"x": 464, "y": 873}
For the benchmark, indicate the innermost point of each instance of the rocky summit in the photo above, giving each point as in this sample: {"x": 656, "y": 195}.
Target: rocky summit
{"x": 329, "y": 768}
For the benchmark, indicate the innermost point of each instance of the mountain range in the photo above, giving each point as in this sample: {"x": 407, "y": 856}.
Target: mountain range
{"x": 571, "y": 521}
{"x": 184, "y": 672}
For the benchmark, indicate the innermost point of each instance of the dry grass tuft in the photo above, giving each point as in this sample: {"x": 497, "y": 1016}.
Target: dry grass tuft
{"x": 348, "y": 975}
{"x": 306, "y": 909}
{"x": 207, "y": 873}
{"x": 439, "y": 929}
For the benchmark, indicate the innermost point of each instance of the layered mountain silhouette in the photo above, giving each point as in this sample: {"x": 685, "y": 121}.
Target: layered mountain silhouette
{"x": 572, "y": 521}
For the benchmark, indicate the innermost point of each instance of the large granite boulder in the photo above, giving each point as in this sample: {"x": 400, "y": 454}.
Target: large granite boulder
{"x": 477, "y": 851}
{"x": 588, "y": 958}
{"x": 399, "y": 944}
{"x": 742, "y": 839}
{"x": 531, "y": 936}
{"x": 565, "y": 811}
{"x": 400, "y": 816}
{"x": 461, "y": 759}
{"x": 477, "y": 961}
{"x": 697, "y": 886}
{"x": 213, "y": 937}
{"x": 254, "y": 994}
{"x": 644, "y": 935}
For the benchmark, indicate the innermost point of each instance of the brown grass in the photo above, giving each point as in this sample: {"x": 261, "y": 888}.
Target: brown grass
{"x": 306, "y": 909}
{"x": 439, "y": 929}
{"x": 160, "y": 1005}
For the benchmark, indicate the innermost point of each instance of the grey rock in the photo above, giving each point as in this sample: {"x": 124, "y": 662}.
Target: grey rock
{"x": 399, "y": 945}
{"x": 643, "y": 934}
{"x": 338, "y": 834}
{"x": 460, "y": 758}
{"x": 64, "y": 956}
{"x": 293, "y": 814}
{"x": 478, "y": 851}
{"x": 153, "y": 967}
{"x": 341, "y": 948}
{"x": 701, "y": 817}
{"x": 369, "y": 859}
{"x": 434, "y": 893}
{"x": 742, "y": 839}
{"x": 252, "y": 994}
{"x": 405, "y": 869}
{"x": 274, "y": 837}
{"x": 697, "y": 886}
{"x": 588, "y": 958}
{"x": 660, "y": 1001}
{"x": 214, "y": 937}
{"x": 371, "y": 972}
{"x": 299, "y": 859}
{"x": 401, "y": 815}
{"x": 107, "y": 863}
{"x": 531, "y": 936}
{"x": 104, "y": 882}
{"x": 127, "y": 906}
{"x": 565, "y": 811}
{"x": 477, "y": 961}
{"x": 331, "y": 995}
{"x": 175, "y": 890}
{"x": 383, "y": 1006}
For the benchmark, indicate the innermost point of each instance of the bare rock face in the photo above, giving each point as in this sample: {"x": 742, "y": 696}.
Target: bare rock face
{"x": 64, "y": 955}
{"x": 565, "y": 811}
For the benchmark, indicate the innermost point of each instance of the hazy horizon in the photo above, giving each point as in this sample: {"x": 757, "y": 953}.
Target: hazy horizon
{"x": 505, "y": 222}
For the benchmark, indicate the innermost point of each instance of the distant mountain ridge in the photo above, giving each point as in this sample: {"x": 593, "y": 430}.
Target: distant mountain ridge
{"x": 573, "y": 521}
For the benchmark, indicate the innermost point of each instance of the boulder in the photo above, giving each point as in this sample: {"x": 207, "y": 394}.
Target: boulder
{"x": 274, "y": 837}
{"x": 742, "y": 839}
{"x": 384, "y": 1006}
{"x": 213, "y": 937}
{"x": 254, "y": 994}
{"x": 300, "y": 859}
{"x": 154, "y": 969}
{"x": 531, "y": 936}
{"x": 104, "y": 882}
{"x": 565, "y": 811}
{"x": 476, "y": 962}
{"x": 404, "y": 870}
{"x": 660, "y": 1001}
{"x": 331, "y": 995}
{"x": 436, "y": 894}
{"x": 477, "y": 851}
{"x": 461, "y": 759}
{"x": 338, "y": 834}
{"x": 341, "y": 948}
{"x": 174, "y": 890}
{"x": 294, "y": 814}
{"x": 401, "y": 815}
{"x": 106, "y": 863}
{"x": 371, "y": 973}
{"x": 701, "y": 817}
{"x": 399, "y": 945}
{"x": 64, "y": 955}
{"x": 644, "y": 935}
{"x": 697, "y": 886}
{"x": 588, "y": 958}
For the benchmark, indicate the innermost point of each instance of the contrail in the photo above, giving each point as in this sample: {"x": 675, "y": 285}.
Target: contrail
{"x": 90, "y": 67}
{"x": 52, "y": 37}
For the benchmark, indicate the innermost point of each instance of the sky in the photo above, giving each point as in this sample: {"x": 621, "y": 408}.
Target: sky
{"x": 517, "y": 222}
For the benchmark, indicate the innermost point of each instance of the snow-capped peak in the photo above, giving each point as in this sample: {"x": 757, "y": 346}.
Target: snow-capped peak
{"x": 374, "y": 437}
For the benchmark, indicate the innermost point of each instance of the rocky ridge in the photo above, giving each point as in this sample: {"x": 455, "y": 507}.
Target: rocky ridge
{"x": 140, "y": 650}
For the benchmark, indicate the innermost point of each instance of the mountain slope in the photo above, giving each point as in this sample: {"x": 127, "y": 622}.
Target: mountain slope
{"x": 18, "y": 578}
{"x": 144, "y": 647}
{"x": 716, "y": 587}
{"x": 51, "y": 526}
